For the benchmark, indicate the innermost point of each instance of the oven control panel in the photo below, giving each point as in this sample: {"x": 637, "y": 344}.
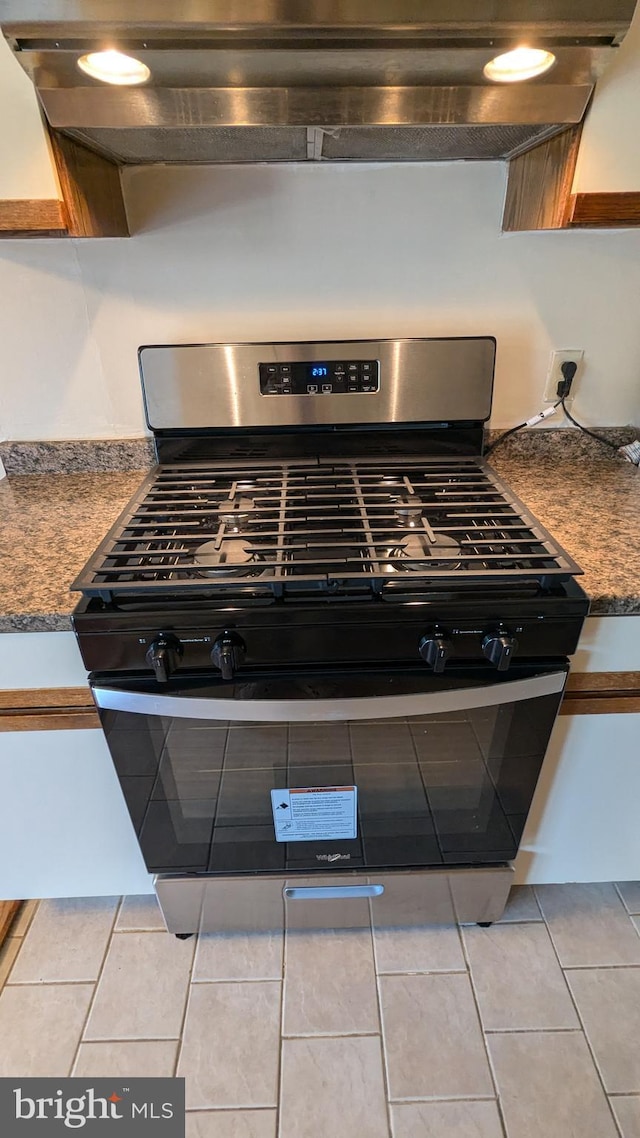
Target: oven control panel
{"x": 320, "y": 377}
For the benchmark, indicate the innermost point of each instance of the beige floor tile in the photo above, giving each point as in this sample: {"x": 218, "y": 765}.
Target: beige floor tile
{"x": 152, "y": 1059}
{"x": 230, "y": 1045}
{"x": 231, "y": 1124}
{"x": 332, "y": 1087}
{"x": 549, "y": 1086}
{"x": 8, "y": 954}
{"x": 433, "y": 1041}
{"x": 24, "y": 918}
{"x": 239, "y": 956}
{"x": 518, "y": 981}
{"x": 330, "y": 983}
{"x": 522, "y": 905}
{"x": 143, "y": 988}
{"x": 630, "y": 893}
{"x": 589, "y": 925}
{"x": 139, "y": 914}
{"x": 446, "y": 1120}
{"x": 435, "y": 949}
{"x": 608, "y": 1000}
{"x": 627, "y": 1111}
{"x": 40, "y": 1025}
{"x": 67, "y": 940}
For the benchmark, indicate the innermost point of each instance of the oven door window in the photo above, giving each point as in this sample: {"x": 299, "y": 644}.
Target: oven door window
{"x": 443, "y": 767}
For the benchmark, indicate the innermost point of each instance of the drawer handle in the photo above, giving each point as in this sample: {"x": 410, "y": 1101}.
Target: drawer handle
{"x": 331, "y": 892}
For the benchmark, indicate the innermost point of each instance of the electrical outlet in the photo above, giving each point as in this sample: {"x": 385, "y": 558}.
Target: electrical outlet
{"x": 555, "y": 376}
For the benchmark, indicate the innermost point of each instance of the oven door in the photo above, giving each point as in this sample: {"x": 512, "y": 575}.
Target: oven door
{"x": 343, "y": 770}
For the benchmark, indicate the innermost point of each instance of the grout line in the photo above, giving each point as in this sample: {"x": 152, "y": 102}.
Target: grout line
{"x": 283, "y": 973}
{"x": 130, "y": 932}
{"x": 333, "y": 1035}
{"x": 624, "y": 1094}
{"x": 132, "y": 1039}
{"x": 50, "y": 983}
{"x": 383, "y": 1049}
{"x": 237, "y": 980}
{"x": 446, "y": 1098}
{"x": 597, "y": 967}
{"x": 426, "y": 972}
{"x": 494, "y": 1078}
{"x": 229, "y": 1109}
{"x": 624, "y": 903}
{"x": 96, "y": 985}
{"x": 187, "y": 1001}
{"x": 597, "y": 1070}
{"x": 532, "y": 1030}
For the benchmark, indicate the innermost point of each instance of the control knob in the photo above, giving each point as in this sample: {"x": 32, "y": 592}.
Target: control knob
{"x": 435, "y": 650}
{"x": 499, "y": 647}
{"x": 164, "y": 656}
{"x": 228, "y": 653}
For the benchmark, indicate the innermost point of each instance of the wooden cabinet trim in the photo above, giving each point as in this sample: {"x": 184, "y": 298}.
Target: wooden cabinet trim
{"x": 604, "y": 211}
{"x": 35, "y": 217}
{"x": 539, "y": 196}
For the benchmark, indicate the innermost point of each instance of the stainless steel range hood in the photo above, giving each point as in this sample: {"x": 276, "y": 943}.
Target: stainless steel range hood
{"x": 297, "y": 80}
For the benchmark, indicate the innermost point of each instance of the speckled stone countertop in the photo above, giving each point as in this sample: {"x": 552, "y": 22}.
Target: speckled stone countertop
{"x": 51, "y": 523}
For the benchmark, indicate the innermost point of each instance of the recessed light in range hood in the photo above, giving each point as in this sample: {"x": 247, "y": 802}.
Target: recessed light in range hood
{"x": 271, "y": 80}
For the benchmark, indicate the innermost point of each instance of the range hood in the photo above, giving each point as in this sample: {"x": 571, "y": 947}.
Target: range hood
{"x": 313, "y": 80}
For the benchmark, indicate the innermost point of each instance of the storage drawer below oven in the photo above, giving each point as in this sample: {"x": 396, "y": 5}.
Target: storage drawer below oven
{"x": 255, "y": 904}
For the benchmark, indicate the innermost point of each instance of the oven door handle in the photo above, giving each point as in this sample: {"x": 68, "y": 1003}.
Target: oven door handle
{"x": 329, "y": 710}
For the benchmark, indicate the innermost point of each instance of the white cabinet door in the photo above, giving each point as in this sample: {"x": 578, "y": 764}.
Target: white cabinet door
{"x": 64, "y": 826}
{"x": 584, "y": 823}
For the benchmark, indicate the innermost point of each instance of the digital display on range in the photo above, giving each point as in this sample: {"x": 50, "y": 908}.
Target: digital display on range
{"x": 333, "y": 377}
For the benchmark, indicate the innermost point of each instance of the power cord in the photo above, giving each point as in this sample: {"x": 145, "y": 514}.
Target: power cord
{"x": 527, "y": 423}
{"x": 568, "y": 369}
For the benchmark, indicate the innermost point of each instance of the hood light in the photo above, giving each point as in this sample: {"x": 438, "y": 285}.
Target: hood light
{"x": 521, "y": 63}
{"x": 114, "y": 67}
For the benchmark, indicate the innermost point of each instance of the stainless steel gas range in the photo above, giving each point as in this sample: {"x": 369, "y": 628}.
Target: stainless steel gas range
{"x": 327, "y": 643}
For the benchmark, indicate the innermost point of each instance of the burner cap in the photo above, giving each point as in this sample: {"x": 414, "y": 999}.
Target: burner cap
{"x": 235, "y": 512}
{"x": 420, "y": 554}
{"x": 408, "y": 511}
{"x": 230, "y": 559}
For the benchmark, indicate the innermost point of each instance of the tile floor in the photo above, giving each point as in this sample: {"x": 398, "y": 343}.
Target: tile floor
{"x": 524, "y": 1029}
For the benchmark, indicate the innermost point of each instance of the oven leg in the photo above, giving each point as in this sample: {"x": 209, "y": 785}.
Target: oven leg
{"x": 484, "y": 924}
{"x": 183, "y": 936}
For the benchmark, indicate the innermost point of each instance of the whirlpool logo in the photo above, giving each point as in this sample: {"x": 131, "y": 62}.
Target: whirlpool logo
{"x": 138, "y": 1107}
{"x": 333, "y": 857}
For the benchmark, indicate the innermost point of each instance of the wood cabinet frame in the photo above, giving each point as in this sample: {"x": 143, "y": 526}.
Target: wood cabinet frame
{"x": 539, "y": 192}
{"x": 92, "y": 204}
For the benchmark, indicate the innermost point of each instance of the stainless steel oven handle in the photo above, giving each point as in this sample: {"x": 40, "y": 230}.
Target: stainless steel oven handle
{"x": 326, "y": 710}
{"x": 330, "y": 892}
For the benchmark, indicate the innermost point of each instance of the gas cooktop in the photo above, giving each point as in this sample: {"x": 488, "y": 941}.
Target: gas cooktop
{"x": 283, "y": 529}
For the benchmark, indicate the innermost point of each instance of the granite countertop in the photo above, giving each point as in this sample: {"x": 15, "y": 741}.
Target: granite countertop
{"x": 52, "y": 522}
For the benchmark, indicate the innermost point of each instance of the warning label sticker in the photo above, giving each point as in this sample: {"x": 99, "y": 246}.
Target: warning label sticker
{"x": 315, "y": 813}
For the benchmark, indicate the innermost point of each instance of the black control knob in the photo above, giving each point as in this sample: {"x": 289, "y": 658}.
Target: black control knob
{"x": 164, "y": 656}
{"x": 499, "y": 647}
{"x": 435, "y": 649}
{"x": 228, "y": 653}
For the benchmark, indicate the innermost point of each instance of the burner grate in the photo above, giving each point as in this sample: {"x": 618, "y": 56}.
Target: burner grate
{"x": 198, "y": 527}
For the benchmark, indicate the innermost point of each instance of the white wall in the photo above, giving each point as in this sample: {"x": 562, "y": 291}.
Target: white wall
{"x": 609, "y": 155}
{"x": 26, "y": 169}
{"x": 309, "y": 252}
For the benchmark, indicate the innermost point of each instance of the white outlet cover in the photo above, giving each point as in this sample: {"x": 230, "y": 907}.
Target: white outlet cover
{"x": 554, "y": 375}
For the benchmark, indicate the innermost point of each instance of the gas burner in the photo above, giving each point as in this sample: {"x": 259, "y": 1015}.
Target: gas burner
{"x": 408, "y": 511}
{"x": 417, "y": 553}
{"x": 232, "y": 558}
{"x": 234, "y": 513}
